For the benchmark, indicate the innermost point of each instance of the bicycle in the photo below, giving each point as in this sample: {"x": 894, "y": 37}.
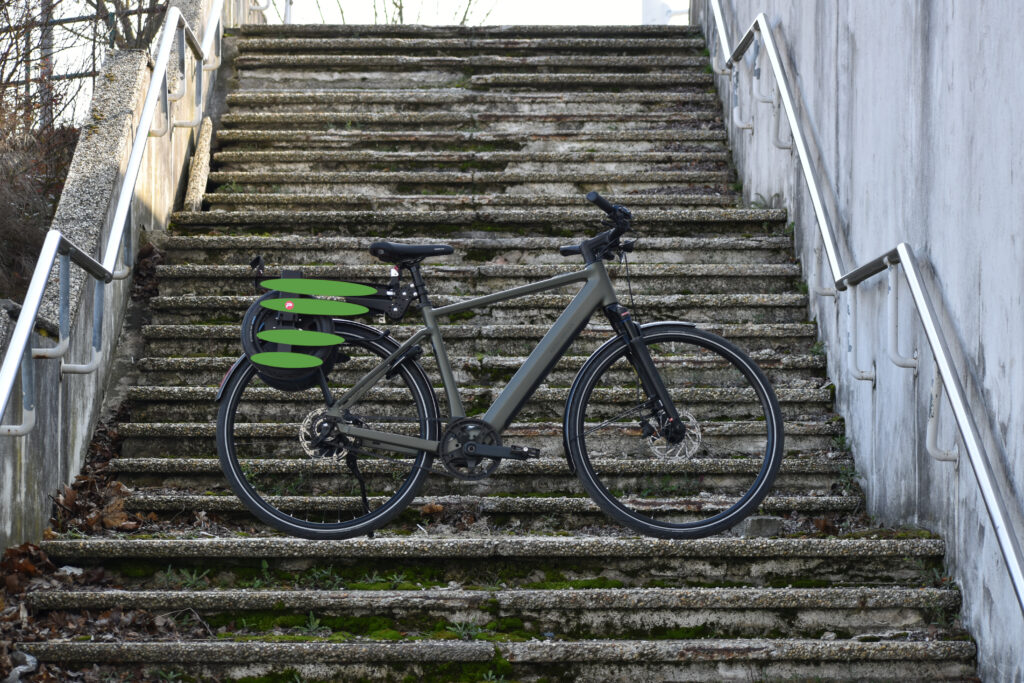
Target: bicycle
{"x": 696, "y": 451}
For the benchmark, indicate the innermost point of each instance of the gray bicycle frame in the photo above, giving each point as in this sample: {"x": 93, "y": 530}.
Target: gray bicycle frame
{"x": 597, "y": 292}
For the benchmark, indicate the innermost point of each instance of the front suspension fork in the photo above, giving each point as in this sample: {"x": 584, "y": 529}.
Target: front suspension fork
{"x": 623, "y": 324}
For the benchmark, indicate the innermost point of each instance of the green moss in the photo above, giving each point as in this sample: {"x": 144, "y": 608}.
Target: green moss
{"x": 462, "y": 315}
{"x": 599, "y": 582}
{"x": 286, "y": 676}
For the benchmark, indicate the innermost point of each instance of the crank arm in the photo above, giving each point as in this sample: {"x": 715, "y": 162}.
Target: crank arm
{"x": 503, "y": 452}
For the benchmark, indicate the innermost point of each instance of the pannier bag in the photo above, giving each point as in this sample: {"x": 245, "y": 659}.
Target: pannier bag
{"x": 288, "y": 333}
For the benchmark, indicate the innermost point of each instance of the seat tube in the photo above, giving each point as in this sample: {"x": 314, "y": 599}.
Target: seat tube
{"x": 444, "y": 366}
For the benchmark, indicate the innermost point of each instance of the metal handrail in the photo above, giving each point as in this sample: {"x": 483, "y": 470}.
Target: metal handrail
{"x": 900, "y": 255}
{"x": 19, "y": 356}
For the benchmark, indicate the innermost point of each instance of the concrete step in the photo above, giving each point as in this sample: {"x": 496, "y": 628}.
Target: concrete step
{"x": 620, "y": 660}
{"x": 299, "y": 72}
{"x": 429, "y": 225}
{"x": 454, "y": 121}
{"x": 296, "y": 63}
{"x": 474, "y": 45}
{"x": 228, "y": 201}
{"x": 594, "y": 81}
{"x": 473, "y": 370}
{"x": 830, "y": 473}
{"x": 192, "y": 403}
{"x": 277, "y": 440}
{"x": 471, "y": 182}
{"x": 446, "y": 139}
{"x": 486, "y": 278}
{"x": 518, "y": 514}
{"x": 520, "y": 560}
{"x": 470, "y": 340}
{"x": 531, "y": 310}
{"x": 463, "y": 100}
{"x": 420, "y": 31}
{"x": 576, "y": 614}
{"x": 349, "y": 160}
{"x": 522, "y": 249}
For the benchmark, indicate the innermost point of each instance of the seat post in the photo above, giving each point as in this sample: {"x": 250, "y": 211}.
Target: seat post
{"x": 417, "y": 281}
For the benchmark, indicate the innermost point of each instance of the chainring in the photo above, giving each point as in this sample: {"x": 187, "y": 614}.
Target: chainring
{"x": 459, "y": 432}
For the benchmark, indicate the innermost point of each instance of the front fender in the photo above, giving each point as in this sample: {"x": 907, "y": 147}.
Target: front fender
{"x": 240, "y": 363}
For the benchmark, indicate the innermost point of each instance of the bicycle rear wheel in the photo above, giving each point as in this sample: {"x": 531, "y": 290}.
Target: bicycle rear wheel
{"x": 706, "y": 483}
{"x": 269, "y": 451}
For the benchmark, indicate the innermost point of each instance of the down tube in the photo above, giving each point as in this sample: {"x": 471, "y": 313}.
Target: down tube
{"x": 533, "y": 371}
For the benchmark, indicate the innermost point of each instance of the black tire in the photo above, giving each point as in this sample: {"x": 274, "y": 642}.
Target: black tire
{"x": 265, "y": 464}
{"x": 704, "y": 485}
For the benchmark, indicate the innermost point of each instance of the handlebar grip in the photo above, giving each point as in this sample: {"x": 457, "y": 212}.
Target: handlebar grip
{"x": 601, "y": 202}
{"x": 570, "y": 250}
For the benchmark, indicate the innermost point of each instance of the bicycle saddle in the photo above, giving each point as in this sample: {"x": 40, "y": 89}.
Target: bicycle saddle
{"x": 390, "y": 252}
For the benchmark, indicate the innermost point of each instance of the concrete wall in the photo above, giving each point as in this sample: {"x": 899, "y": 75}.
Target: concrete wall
{"x": 33, "y": 467}
{"x": 914, "y": 108}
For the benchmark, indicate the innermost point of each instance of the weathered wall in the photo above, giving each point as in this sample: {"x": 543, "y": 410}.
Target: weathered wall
{"x": 914, "y": 108}
{"x": 35, "y": 466}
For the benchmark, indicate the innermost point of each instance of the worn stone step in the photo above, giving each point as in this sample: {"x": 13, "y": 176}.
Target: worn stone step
{"x": 469, "y": 340}
{"x": 807, "y": 475}
{"x": 429, "y": 139}
{"x": 448, "y": 202}
{"x": 249, "y": 160}
{"x": 570, "y": 223}
{"x": 521, "y": 514}
{"x": 533, "y": 309}
{"x": 475, "y": 45}
{"x": 295, "y": 63}
{"x": 486, "y": 278}
{"x": 593, "y": 81}
{"x": 619, "y": 660}
{"x": 537, "y": 121}
{"x": 191, "y": 403}
{"x": 580, "y": 217}
{"x": 460, "y": 99}
{"x": 469, "y": 182}
{"x": 633, "y": 561}
{"x": 577, "y": 614}
{"x": 472, "y": 370}
{"x": 525, "y": 250}
{"x": 277, "y": 440}
{"x": 233, "y": 201}
{"x": 420, "y": 31}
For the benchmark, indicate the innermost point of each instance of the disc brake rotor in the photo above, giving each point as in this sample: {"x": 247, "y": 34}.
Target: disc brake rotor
{"x": 686, "y": 448}
{"x": 318, "y": 437}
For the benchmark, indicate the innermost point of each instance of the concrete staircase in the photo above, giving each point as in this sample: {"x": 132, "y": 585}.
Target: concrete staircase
{"x": 487, "y": 139}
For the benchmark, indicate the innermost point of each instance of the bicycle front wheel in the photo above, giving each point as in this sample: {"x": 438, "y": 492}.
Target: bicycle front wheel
{"x": 705, "y": 483}
{"x": 297, "y": 474}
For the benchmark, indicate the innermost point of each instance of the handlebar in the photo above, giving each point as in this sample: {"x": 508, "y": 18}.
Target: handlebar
{"x": 605, "y": 244}
{"x": 601, "y": 202}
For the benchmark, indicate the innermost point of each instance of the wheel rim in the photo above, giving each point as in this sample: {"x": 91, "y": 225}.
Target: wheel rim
{"x": 715, "y": 478}
{"x": 278, "y": 479}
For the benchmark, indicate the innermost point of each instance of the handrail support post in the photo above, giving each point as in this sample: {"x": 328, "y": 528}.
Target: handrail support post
{"x": 28, "y": 400}
{"x": 863, "y": 375}
{"x": 894, "y": 313}
{"x": 931, "y": 442}
{"x": 64, "y": 325}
